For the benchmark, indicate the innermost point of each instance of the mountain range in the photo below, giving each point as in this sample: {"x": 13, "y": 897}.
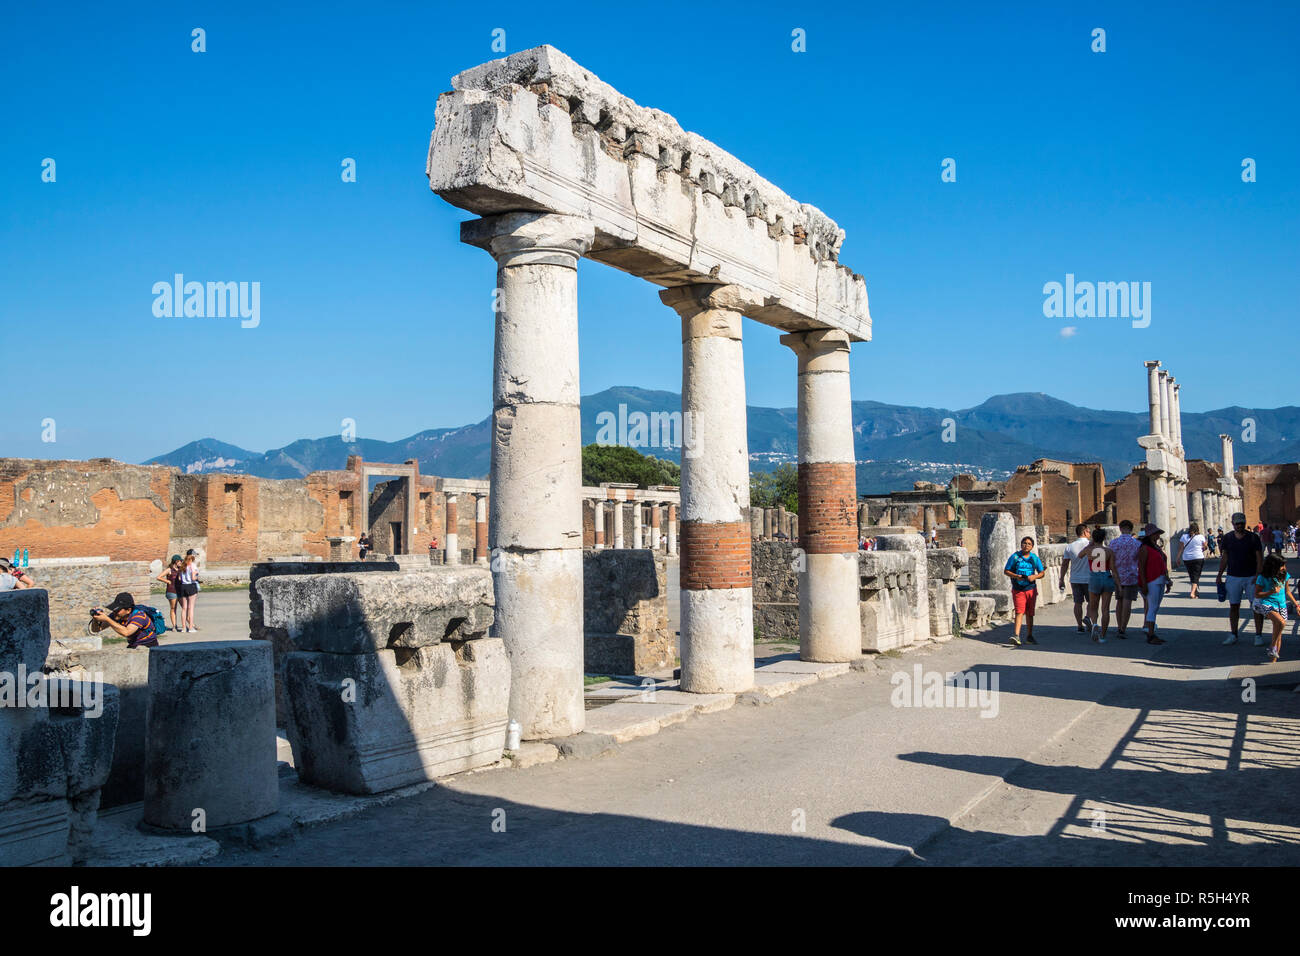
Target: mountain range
{"x": 895, "y": 444}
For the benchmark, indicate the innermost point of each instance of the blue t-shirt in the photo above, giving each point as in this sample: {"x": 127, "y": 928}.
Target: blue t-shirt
{"x": 1275, "y": 602}
{"x": 1023, "y": 564}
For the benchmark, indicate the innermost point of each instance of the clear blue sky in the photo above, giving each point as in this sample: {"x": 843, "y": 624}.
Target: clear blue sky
{"x": 225, "y": 165}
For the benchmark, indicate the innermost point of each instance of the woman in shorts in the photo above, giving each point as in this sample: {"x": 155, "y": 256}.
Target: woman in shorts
{"x": 1101, "y": 583}
{"x": 171, "y": 577}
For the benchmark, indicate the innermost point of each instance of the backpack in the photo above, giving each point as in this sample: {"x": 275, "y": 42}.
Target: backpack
{"x": 159, "y": 623}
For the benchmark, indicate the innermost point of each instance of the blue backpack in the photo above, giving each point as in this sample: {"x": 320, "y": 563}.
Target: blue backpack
{"x": 159, "y": 623}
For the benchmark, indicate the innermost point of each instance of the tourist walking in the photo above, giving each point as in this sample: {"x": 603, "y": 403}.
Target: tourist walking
{"x": 1153, "y": 577}
{"x": 1272, "y": 594}
{"x": 1241, "y": 560}
{"x": 1024, "y": 568}
{"x": 189, "y": 590}
{"x": 1075, "y": 570}
{"x": 1192, "y": 553}
{"x": 1125, "y": 549}
{"x": 1101, "y": 584}
{"x": 171, "y": 577}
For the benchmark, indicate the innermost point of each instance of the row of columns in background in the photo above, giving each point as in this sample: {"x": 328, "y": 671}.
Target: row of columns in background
{"x": 639, "y": 539}
{"x": 769, "y": 522}
{"x": 451, "y": 537}
{"x": 536, "y": 504}
{"x": 1168, "y": 505}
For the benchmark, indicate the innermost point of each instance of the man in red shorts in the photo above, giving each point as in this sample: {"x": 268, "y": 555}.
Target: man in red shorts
{"x": 1024, "y": 568}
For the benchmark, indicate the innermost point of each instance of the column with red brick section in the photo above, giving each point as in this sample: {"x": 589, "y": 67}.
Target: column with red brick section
{"x": 535, "y": 495}
{"x": 672, "y": 529}
{"x": 654, "y": 526}
{"x": 717, "y": 609}
{"x": 830, "y": 626}
{"x": 451, "y": 540}
{"x": 480, "y": 530}
{"x": 598, "y": 523}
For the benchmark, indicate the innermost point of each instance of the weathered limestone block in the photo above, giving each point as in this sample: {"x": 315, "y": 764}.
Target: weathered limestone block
{"x": 997, "y": 544}
{"x": 210, "y": 735}
{"x": 55, "y": 756}
{"x": 943, "y": 567}
{"x": 976, "y": 612}
{"x": 625, "y": 612}
{"x": 919, "y": 594}
{"x": 128, "y": 671}
{"x": 1049, "y": 587}
{"x": 536, "y": 131}
{"x": 366, "y": 723}
{"x": 1003, "y": 606}
{"x": 887, "y": 599}
{"x": 259, "y": 630}
{"x": 364, "y": 613}
{"x": 776, "y": 591}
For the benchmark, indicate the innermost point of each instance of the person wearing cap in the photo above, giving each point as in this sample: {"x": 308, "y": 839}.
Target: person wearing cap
{"x": 171, "y": 576}
{"x": 1153, "y": 577}
{"x": 132, "y": 622}
{"x": 13, "y": 579}
{"x": 1241, "y": 560}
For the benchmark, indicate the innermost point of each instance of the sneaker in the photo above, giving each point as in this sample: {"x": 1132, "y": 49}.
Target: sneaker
{"x": 1087, "y": 623}
{"x": 1272, "y": 656}
{"x": 1096, "y": 631}
{"x": 1030, "y": 640}
{"x": 1121, "y": 635}
{"x": 1155, "y": 640}
{"x": 1082, "y": 629}
{"x": 1015, "y": 641}
{"x": 1100, "y": 639}
{"x": 1230, "y": 639}
{"x": 1259, "y": 640}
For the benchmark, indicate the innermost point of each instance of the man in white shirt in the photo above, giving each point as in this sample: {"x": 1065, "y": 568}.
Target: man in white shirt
{"x": 1074, "y": 566}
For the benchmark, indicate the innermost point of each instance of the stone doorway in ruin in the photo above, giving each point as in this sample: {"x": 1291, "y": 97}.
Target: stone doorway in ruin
{"x": 560, "y": 166}
{"x": 409, "y": 471}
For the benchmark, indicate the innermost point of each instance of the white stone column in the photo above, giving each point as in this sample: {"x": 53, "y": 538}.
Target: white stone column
{"x": 830, "y": 627}
{"x": 480, "y": 529}
{"x": 1229, "y": 467}
{"x": 1176, "y": 417}
{"x": 637, "y": 541}
{"x": 654, "y": 526}
{"x": 617, "y": 510}
{"x": 1160, "y": 502}
{"x": 672, "y": 529}
{"x": 1153, "y": 395}
{"x": 717, "y": 610}
{"x": 1165, "y": 428}
{"x": 451, "y": 539}
{"x": 598, "y": 522}
{"x": 536, "y": 478}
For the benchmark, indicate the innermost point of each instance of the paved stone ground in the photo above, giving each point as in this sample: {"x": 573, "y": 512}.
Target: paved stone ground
{"x": 1124, "y": 753}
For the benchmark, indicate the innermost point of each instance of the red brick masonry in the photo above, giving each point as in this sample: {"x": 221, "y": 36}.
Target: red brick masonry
{"x": 828, "y": 501}
{"x": 715, "y": 556}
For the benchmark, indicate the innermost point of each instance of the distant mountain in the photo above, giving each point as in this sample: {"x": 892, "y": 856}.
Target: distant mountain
{"x": 895, "y": 444}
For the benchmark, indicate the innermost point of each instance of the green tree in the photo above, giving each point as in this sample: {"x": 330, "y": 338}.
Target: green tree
{"x": 620, "y": 464}
{"x": 767, "y": 489}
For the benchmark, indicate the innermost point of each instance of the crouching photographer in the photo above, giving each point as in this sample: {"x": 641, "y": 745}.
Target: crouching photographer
{"x": 138, "y": 623}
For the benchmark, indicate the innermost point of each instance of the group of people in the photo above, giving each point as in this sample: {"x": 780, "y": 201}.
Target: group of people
{"x": 181, "y": 576}
{"x": 1099, "y": 570}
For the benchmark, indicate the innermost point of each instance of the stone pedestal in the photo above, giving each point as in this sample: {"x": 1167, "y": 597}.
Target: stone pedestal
{"x": 341, "y": 548}
{"x": 997, "y": 544}
{"x": 210, "y": 735}
{"x": 625, "y": 618}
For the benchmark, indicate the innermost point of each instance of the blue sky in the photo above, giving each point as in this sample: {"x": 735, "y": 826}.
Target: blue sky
{"x": 225, "y": 165}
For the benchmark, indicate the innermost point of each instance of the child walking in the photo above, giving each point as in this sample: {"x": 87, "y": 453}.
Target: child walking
{"x": 1272, "y": 594}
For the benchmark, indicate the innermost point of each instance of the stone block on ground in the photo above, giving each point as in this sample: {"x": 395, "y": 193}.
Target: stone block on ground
{"x": 625, "y": 612}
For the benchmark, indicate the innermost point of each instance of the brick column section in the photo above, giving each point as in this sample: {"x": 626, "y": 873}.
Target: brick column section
{"x": 535, "y": 494}
{"x": 717, "y": 601}
{"x": 598, "y": 522}
{"x": 672, "y": 529}
{"x": 451, "y": 542}
{"x": 654, "y": 526}
{"x": 480, "y": 530}
{"x": 830, "y": 626}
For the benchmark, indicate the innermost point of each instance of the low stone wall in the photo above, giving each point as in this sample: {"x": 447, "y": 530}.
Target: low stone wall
{"x": 776, "y": 591}
{"x": 625, "y": 612}
{"x": 75, "y": 587}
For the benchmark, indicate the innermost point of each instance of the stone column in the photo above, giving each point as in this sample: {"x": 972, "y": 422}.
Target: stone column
{"x": 767, "y": 524}
{"x": 1176, "y": 417}
{"x": 1225, "y": 442}
{"x": 782, "y": 526}
{"x": 451, "y": 540}
{"x": 1153, "y": 395}
{"x": 830, "y": 622}
{"x": 617, "y": 510}
{"x": 717, "y": 610}
{"x": 1160, "y": 502}
{"x": 636, "y": 525}
{"x": 1198, "y": 509}
{"x": 480, "y": 530}
{"x": 997, "y": 543}
{"x": 1165, "y": 427}
{"x": 654, "y": 526}
{"x": 672, "y": 529}
{"x": 598, "y": 521}
{"x": 536, "y": 478}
